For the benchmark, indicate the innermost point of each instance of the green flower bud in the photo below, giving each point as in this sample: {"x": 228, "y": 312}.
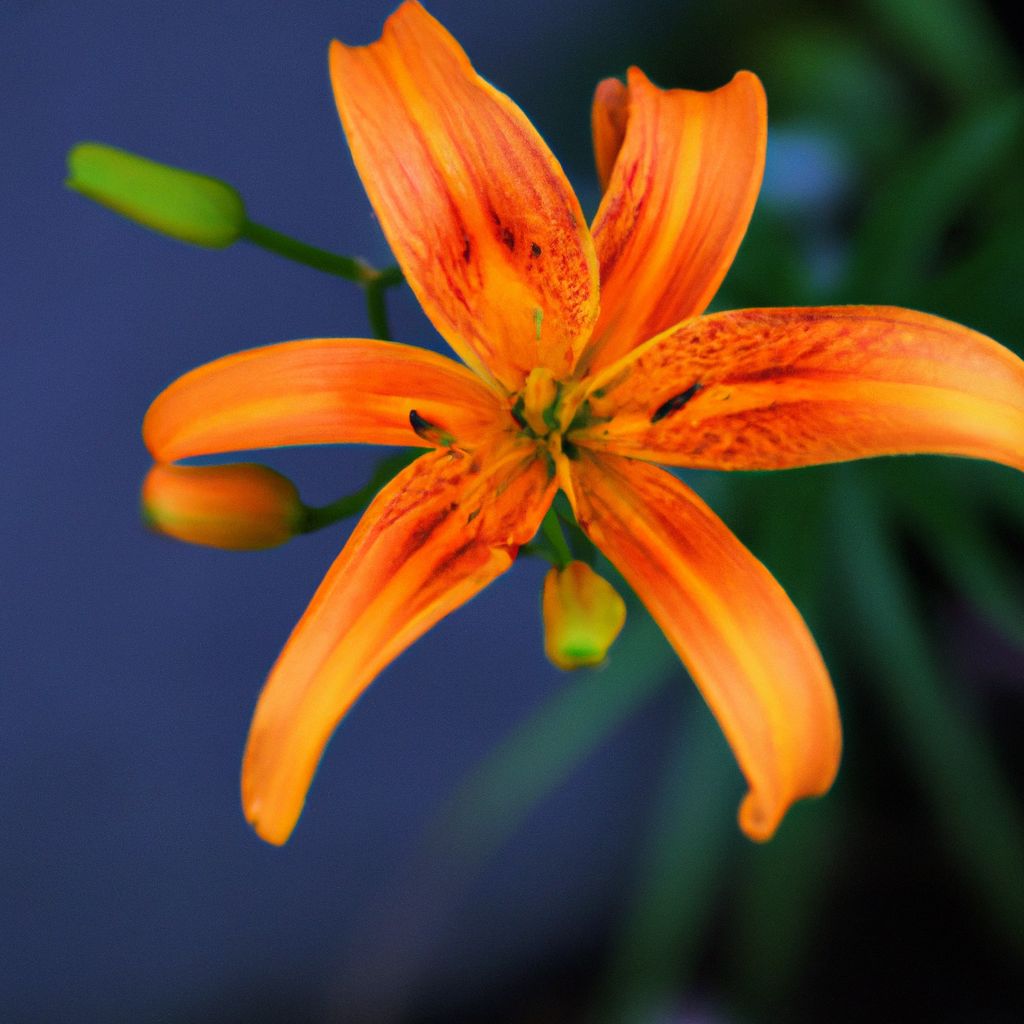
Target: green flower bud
{"x": 583, "y": 614}
{"x": 190, "y": 207}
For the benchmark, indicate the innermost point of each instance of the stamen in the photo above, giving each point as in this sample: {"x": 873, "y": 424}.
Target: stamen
{"x": 430, "y": 432}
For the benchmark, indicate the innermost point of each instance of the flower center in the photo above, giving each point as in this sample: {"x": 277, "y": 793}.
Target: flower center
{"x": 544, "y": 410}
{"x": 537, "y": 405}
{"x": 545, "y": 407}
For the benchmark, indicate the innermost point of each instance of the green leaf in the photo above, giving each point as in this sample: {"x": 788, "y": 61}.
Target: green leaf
{"x": 956, "y": 43}
{"x": 823, "y": 78}
{"x": 976, "y": 287}
{"x": 900, "y": 235}
{"x": 692, "y": 824}
{"x": 950, "y": 520}
{"x": 187, "y": 206}
{"x": 973, "y": 807}
{"x": 781, "y": 517}
{"x": 778, "y": 903}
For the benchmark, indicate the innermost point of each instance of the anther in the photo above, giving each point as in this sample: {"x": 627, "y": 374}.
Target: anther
{"x": 430, "y": 432}
{"x": 676, "y": 403}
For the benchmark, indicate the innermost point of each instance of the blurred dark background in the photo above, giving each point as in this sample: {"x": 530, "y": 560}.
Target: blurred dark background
{"x": 489, "y": 839}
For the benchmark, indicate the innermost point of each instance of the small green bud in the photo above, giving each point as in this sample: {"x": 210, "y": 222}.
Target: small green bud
{"x": 583, "y": 614}
{"x": 190, "y": 207}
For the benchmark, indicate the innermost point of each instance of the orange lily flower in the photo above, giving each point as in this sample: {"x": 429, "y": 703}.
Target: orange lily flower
{"x": 586, "y": 358}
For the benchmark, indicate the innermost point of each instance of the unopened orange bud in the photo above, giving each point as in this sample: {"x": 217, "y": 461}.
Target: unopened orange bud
{"x": 583, "y": 614}
{"x": 243, "y": 506}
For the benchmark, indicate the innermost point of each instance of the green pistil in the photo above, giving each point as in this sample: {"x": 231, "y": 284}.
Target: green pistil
{"x": 585, "y": 418}
{"x": 550, "y": 414}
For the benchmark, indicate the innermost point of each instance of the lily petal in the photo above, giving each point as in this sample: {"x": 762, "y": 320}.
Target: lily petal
{"x": 318, "y": 392}
{"x": 730, "y": 622}
{"x": 609, "y": 116}
{"x": 778, "y": 388}
{"x": 679, "y": 199}
{"x": 433, "y": 538}
{"x": 475, "y": 207}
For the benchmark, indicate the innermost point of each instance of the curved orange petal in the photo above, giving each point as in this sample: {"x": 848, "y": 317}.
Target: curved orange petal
{"x": 433, "y": 538}
{"x": 730, "y": 622}
{"x": 317, "y": 392}
{"x": 609, "y": 116}
{"x": 778, "y": 388}
{"x": 476, "y": 209}
{"x": 679, "y": 198}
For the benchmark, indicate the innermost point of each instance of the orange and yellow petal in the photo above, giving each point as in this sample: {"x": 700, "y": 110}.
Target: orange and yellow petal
{"x": 732, "y": 625}
{"x": 432, "y": 539}
{"x": 778, "y": 388}
{"x": 242, "y": 506}
{"x": 476, "y": 209}
{"x": 680, "y": 194}
{"x": 609, "y": 116}
{"x": 321, "y": 391}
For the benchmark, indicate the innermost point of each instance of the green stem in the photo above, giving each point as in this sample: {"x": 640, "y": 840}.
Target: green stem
{"x": 389, "y": 277}
{"x": 580, "y": 544}
{"x": 374, "y": 282}
{"x": 377, "y": 311}
{"x": 291, "y": 248}
{"x": 552, "y": 530}
{"x": 316, "y": 518}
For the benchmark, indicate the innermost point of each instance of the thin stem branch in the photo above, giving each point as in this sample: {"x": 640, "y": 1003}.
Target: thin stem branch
{"x": 377, "y": 310}
{"x": 581, "y": 546}
{"x": 320, "y": 259}
{"x": 552, "y": 531}
{"x": 316, "y": 518}
{"x": 374, "y": 282}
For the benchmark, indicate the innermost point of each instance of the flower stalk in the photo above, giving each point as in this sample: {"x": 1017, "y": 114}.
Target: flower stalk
{"x": 317, "y": 517}
{"x": 556, "y": 546}
{"x": 373, "y": 281}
